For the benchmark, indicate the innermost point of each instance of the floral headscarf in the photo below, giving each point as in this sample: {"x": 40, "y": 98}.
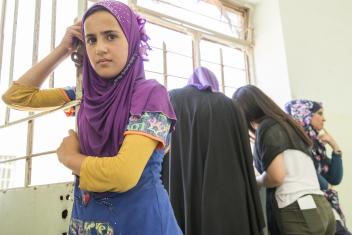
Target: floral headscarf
{"x": 302, "y": 111}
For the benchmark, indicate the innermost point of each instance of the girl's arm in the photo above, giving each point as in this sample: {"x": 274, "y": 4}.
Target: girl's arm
{"x": 119, "y": 173}
{"x": 274, "y": 175}
{"x": 36, "y": 75}
{"x": 24, "y": 94}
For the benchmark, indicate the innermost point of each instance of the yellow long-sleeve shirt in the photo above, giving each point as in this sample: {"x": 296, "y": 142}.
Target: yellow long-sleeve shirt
{"x": 117, "y": 173}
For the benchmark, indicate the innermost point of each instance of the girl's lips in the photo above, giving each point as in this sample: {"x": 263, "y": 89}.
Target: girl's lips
{"x": 103, "y": 61}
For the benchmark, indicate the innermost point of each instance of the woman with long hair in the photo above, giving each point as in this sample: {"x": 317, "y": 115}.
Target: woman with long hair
{"x": 295, "y": 204}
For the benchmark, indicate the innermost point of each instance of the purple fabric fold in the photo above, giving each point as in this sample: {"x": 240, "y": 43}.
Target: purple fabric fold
{"x": 203, "y": 79}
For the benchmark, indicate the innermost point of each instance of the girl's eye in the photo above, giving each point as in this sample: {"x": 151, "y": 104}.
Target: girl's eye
{"x": 91, "y": 41}
{"x": 111, "y": 37}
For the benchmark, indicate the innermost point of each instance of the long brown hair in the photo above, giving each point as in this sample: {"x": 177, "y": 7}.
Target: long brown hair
{"x": 257, "y": 106}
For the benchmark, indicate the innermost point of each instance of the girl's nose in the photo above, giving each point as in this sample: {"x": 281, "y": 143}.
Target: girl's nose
{"x": 101, "y": 49}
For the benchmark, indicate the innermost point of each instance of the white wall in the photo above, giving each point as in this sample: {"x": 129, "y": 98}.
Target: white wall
{"x": 309, "y": 42}
{"x": 269, "y": 51}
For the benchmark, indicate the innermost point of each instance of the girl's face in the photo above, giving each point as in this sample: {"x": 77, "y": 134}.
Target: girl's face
{"x": 106, "y": 44}
{"x": 318, "y": 120}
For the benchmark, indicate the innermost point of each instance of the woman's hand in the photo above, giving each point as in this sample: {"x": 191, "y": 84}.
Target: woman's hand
{"x": 73, "y": 31}
{"x": 326, "y": 138}
{"x": 69, "y": 152}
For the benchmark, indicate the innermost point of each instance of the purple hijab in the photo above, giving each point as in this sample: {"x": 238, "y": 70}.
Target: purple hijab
{"x": 107, "y": 104}
{"x": 203, "y": 79}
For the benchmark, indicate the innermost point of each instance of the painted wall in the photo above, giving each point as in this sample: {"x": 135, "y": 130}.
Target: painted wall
{"x": 303, "y": 50}
{"x": 318, "y": 36}
{"x": 269, "y": 51}
{"x": 36, "y": 210}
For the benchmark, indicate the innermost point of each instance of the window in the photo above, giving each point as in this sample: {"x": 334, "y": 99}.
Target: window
{"x": 170, "y": 57}
{"x": 228, "y": 64}
{"x": 184, "y": 34}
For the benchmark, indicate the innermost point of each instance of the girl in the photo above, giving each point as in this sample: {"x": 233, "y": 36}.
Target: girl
{"x": 123, "y": 122}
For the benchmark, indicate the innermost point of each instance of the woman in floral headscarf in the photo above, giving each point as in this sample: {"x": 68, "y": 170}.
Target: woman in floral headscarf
{"x": 309, "y": 114}
{"x": 124, "y": 122}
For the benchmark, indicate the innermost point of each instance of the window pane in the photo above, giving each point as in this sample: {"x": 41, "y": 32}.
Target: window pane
{"x": 200, "y": 13}
{"x": 209, "y": 51}
{"x": 13, "y": 140}
{"x": 24, "y": 48}
{"x": 2, "y": 111}
{"x": 174, "y": 82}
{"x": 11, "y": 173}
{"x": 47, "y": 169}
{"x": 179, "y": 66}
{"x": 156, "y": 76}
{"x": 49, "y": 131}
{"x": 175, "y": 41}
{"x": 25, "y": 28}
{"x": 234, "y": 77}
{"x": 5, "y": 66}
{"x": 229, "y": 91}
{"x": 65, "y": 74}
{"x": 155, "y": 61}
{"x": 233, "y": 57}
{"x": 45, "y": 33}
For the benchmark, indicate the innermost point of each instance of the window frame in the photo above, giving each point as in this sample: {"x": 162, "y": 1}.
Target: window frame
{"x": 196, "y": 32}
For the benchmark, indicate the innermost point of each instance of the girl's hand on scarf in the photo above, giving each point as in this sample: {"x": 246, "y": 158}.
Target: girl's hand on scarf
{"x": 73, "y": 33}
{"x": 69, "y": 152}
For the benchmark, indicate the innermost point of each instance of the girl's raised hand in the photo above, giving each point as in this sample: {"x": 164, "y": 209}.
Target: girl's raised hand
{"x": 73, "y": 33}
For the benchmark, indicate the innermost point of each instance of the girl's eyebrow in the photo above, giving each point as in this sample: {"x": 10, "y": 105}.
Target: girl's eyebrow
{"x": 102, "y": 33}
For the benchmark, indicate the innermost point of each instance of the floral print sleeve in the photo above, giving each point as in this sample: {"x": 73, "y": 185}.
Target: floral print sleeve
{"x": 152, "y": 124}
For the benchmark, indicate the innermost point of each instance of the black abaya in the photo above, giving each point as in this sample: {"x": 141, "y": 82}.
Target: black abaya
{"x": 209, "y": 174}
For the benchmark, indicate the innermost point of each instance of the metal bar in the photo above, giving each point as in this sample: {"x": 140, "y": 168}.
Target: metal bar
{"x": 36, "y": 32}
{"x": 251, "y": 77}
{"x": 222, "y": 71}
{"x": 82, "y": 7}
{"x": 172, "y": 52}
{"x": 30, "y": 128}
{"x": 53, "y": 36}
{"x": 196, "y": 49}
{"x": 34, "y": 116}
{"x": 27, "y": 156}
{"x": 12, "y": 58}
{"x": 250, "y": 65}
{"x": 2, "y": 26}
{"x": 28, "y": 166}
{"x": 165, "y": 64}
{"x": 171, "y": 75}
{"x": 228, "y": 66}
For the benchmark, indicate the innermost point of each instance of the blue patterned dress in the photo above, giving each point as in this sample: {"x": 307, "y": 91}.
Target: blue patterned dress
{"x": 143, "y": 210}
